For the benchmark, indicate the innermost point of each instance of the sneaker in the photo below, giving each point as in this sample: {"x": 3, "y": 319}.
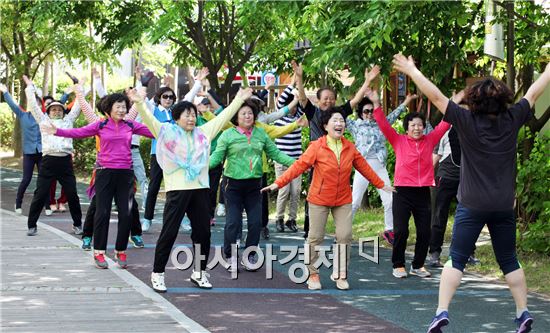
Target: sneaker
{"x": 62, "y": 208}
{"x": 280, "y": 223}
{"x": 434, "y": 260}
{"x": 314, "y": 282}
{"x": 388, "y": 236}
{"x": 32, "y": 231}
{"x": 400, "y": 272}
{"x": 53, "y": 208}
{"x": 18, "y": 211}
{"x": 99, "y": 259}
{"x": 146, "y": 225}
{"x": 48, "y": 212}
{"x": 265, "y": 233}
{"x": 420, "y": 272}
{"x": 137, "y": 242}
{"x": 232, "y": 267}
{"x": 250, "y": 265}
{"x": 120, "y": 258}
{"x": 212, "y": 222}
{"x": 524, "y": 322}
{"x": 473, "y": 261}
{"x": 201, "y": 279}
{"x": 291, "y": 224}
{"x": 77, "y": 230}
{"x": 306, "y": 234}
{"x": 220, "y": 210}
{"x": 438, "y": 322}
{"x": 185, "y": 225}
{"x": 341, "y": 283}
{"x": 157, "y": 281}
{"x": 86, "y": 243}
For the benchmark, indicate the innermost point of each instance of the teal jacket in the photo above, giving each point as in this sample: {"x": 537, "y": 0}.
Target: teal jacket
{"x": 244, "y": 157}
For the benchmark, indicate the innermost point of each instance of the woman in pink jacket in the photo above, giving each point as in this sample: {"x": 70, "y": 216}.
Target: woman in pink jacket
{"x": 414, "y": 174}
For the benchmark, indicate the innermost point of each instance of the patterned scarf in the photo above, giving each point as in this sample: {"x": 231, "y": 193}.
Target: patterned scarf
{"x": 177, "y": 149}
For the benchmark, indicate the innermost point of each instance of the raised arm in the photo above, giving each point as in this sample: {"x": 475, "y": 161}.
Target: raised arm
{"x": 137, "y": 96}
{"x": 392, "y": 117}
{"x": 369, "y": 77}
{"x": 299, "y": 74}
{"x": 190, "y": 96}
{"x": 536, "y": 89}
{"x": 33, "y": 108}
{"x": 407, "y": 66}
{"x": 388, "y": 131}
{"x": 214, "y": 126}
{"x": 11, "y": 103}
{"x": 87, "y": 110}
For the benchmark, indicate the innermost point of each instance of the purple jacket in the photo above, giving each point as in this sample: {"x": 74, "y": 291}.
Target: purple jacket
{"x": 114, "y": 140}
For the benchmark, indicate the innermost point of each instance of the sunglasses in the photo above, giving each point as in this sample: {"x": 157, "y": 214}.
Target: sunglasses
{"x": 168, "y": 97}
{"x": 368, "y": 110}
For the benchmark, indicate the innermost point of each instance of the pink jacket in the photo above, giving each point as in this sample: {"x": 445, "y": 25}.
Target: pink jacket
{"x": 114, "y": 140}
{"x": 413, "y": 158}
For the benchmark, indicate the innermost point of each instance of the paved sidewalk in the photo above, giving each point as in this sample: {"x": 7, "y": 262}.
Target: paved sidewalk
{"x": 50, "y": 285}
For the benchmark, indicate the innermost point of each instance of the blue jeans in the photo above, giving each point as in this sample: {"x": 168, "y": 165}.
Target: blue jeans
{"x": 466, "y": 229}
{"x": 239, "y": 194}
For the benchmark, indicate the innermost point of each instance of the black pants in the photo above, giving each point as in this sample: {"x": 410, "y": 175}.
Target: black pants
{"x": 196, "y": 204}
{"x": 214, "y": 176}
{"x": 265, "y": 203}
{"x": 29, "y": 161}
{"x": 109, "y": 184}
{"x": 239, "y": 194}
{"x": 60, "y": 169}
{"x": 88, "y": 229}
{"x": 306, "y": 205}
{"x": 407, "y": 200}
{"x": 221, "y": 198}
{"x": 445, "y": 192}
{"x": 155, "y": 178}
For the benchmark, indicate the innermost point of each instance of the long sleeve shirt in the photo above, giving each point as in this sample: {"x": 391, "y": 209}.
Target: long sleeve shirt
{"x": 30, "y": 132}
{"x": 368, "y": 138}
{"x": 51, "y": 144}
{"x": 176, "y": 181}
{"x": 114, "y": 140}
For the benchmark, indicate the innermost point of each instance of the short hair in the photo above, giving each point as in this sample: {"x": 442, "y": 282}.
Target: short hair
{"x": 106, "y": 105}
{"x": 161, "y": 91}
{"x": 181, "y": 107}
{"x": 320, "y": 91}
{"x": 326, "y": 115}
{"x": 489, "y": 96}
{"x": 361, "y": 105}
{"x": 410, "y": 116}
{"x": 48, "y": 97}
{"x": 251, "y": 104}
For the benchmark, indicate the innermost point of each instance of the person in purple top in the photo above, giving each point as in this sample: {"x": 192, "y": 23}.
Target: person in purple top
{"x": 488, "y": 132}
{"x": 114, "y": 176}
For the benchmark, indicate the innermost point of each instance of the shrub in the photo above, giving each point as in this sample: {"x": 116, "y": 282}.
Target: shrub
{"x": 7, "y": 122}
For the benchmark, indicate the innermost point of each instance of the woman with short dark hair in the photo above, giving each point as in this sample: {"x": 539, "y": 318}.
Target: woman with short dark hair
{"x": 488, "y": 139}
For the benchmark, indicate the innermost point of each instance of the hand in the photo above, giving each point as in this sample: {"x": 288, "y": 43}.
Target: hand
{"x": 167, "y": 79}
{"x": 136, "y": 95}
{"x": 302, "y": 121}
{"x": 403, "y": 64}
{"x": 373, "y": 96}
{"x": 48, "y": 128}
{"x": 69, "y": 90}
{"x": 137, "y": 72}
{"x": 369, "y": 76}
{"x": 27, "y": 81}
{"x": 96, "y": 74}
{"x": 3, "y": 88}
{"x": 244, "y": 93}
{"x": 202, "y": 74}
{"x": 269, "y": 83}
{"x": 457, "y": 98}
{"x": 409, "y": 98}
{"x": 272, "y": 187}
{"x": 202, "y": 93}
{"x": 293, "y": 81}
{"x": 388, "y": 188}
{"x": 298, "y": 70}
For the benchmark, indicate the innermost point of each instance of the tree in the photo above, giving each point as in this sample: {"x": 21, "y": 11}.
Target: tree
{"x": 32, "y": 31}
{"x": 220, "y": 35}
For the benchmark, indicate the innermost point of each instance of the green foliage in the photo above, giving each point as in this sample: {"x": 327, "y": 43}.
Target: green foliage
{"x": 7, "y": 120}
{"x": 84, "y": 151}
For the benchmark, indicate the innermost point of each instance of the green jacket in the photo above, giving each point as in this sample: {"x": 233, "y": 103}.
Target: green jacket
{"x": 244, "y": 157}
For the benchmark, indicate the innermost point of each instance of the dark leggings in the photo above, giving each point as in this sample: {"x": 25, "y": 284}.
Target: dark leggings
{"x": 466, "y": 229}
{"x": 29, "y": 161}
{"x": 214, "y": 176}
{"x": 88, "y": 229}
{"x": 155, "y": 178}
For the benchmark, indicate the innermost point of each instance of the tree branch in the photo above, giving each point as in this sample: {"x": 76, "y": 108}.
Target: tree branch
{"x": 7, "y": 51}
{"x": 529, "y": 22}
{"x": 537, "y": 124}
{"x": 40, "y": 60}
{"x": 186, "y": 48}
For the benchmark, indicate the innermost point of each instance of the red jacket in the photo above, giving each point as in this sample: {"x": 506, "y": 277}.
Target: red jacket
{"x": 413, "y": 158}
{"x": 330, "y": 185}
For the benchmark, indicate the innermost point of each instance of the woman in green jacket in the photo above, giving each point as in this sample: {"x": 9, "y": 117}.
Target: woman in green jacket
{"x": 242, "y": 147}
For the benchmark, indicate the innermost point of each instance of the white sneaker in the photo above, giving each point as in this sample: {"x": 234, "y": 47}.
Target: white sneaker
{"x": 201, "y": 279}
{"x": 157, "y": 280}
{"x": 220, "y": 211}
{"x": 48, "y": 212}
{"x": 232, "y": 267}
{"x": 18, "y": 211}
{"x": 399, "y": 272}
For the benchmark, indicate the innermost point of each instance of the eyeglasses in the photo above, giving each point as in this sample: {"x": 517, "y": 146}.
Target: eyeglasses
{"x": 168, "y": 97}
{"x": 368, "y": 110}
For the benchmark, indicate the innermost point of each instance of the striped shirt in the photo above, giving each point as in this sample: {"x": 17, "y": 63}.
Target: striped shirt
{"x": 290, "y": 144}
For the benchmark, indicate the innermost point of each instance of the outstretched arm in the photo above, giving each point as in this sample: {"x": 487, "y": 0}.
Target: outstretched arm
{"x": 407, "y": 66}
{"x": 369, "y": 76}
{"x": 536, "y": 89}
{"x": 12, "y": 104}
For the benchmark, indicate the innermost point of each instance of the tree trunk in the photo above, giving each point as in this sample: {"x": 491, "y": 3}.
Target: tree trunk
{"x": 17, "y": 142}
{"x": 46, "y": 79}
{"x": 510, "y": 70}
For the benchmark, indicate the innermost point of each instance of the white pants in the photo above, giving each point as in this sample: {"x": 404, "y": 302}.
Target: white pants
{"x": 139, "y": 173}
{"x": 360, "y": 185}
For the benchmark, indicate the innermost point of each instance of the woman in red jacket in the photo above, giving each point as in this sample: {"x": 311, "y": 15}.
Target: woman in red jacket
{"x": 330, "y": 155}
